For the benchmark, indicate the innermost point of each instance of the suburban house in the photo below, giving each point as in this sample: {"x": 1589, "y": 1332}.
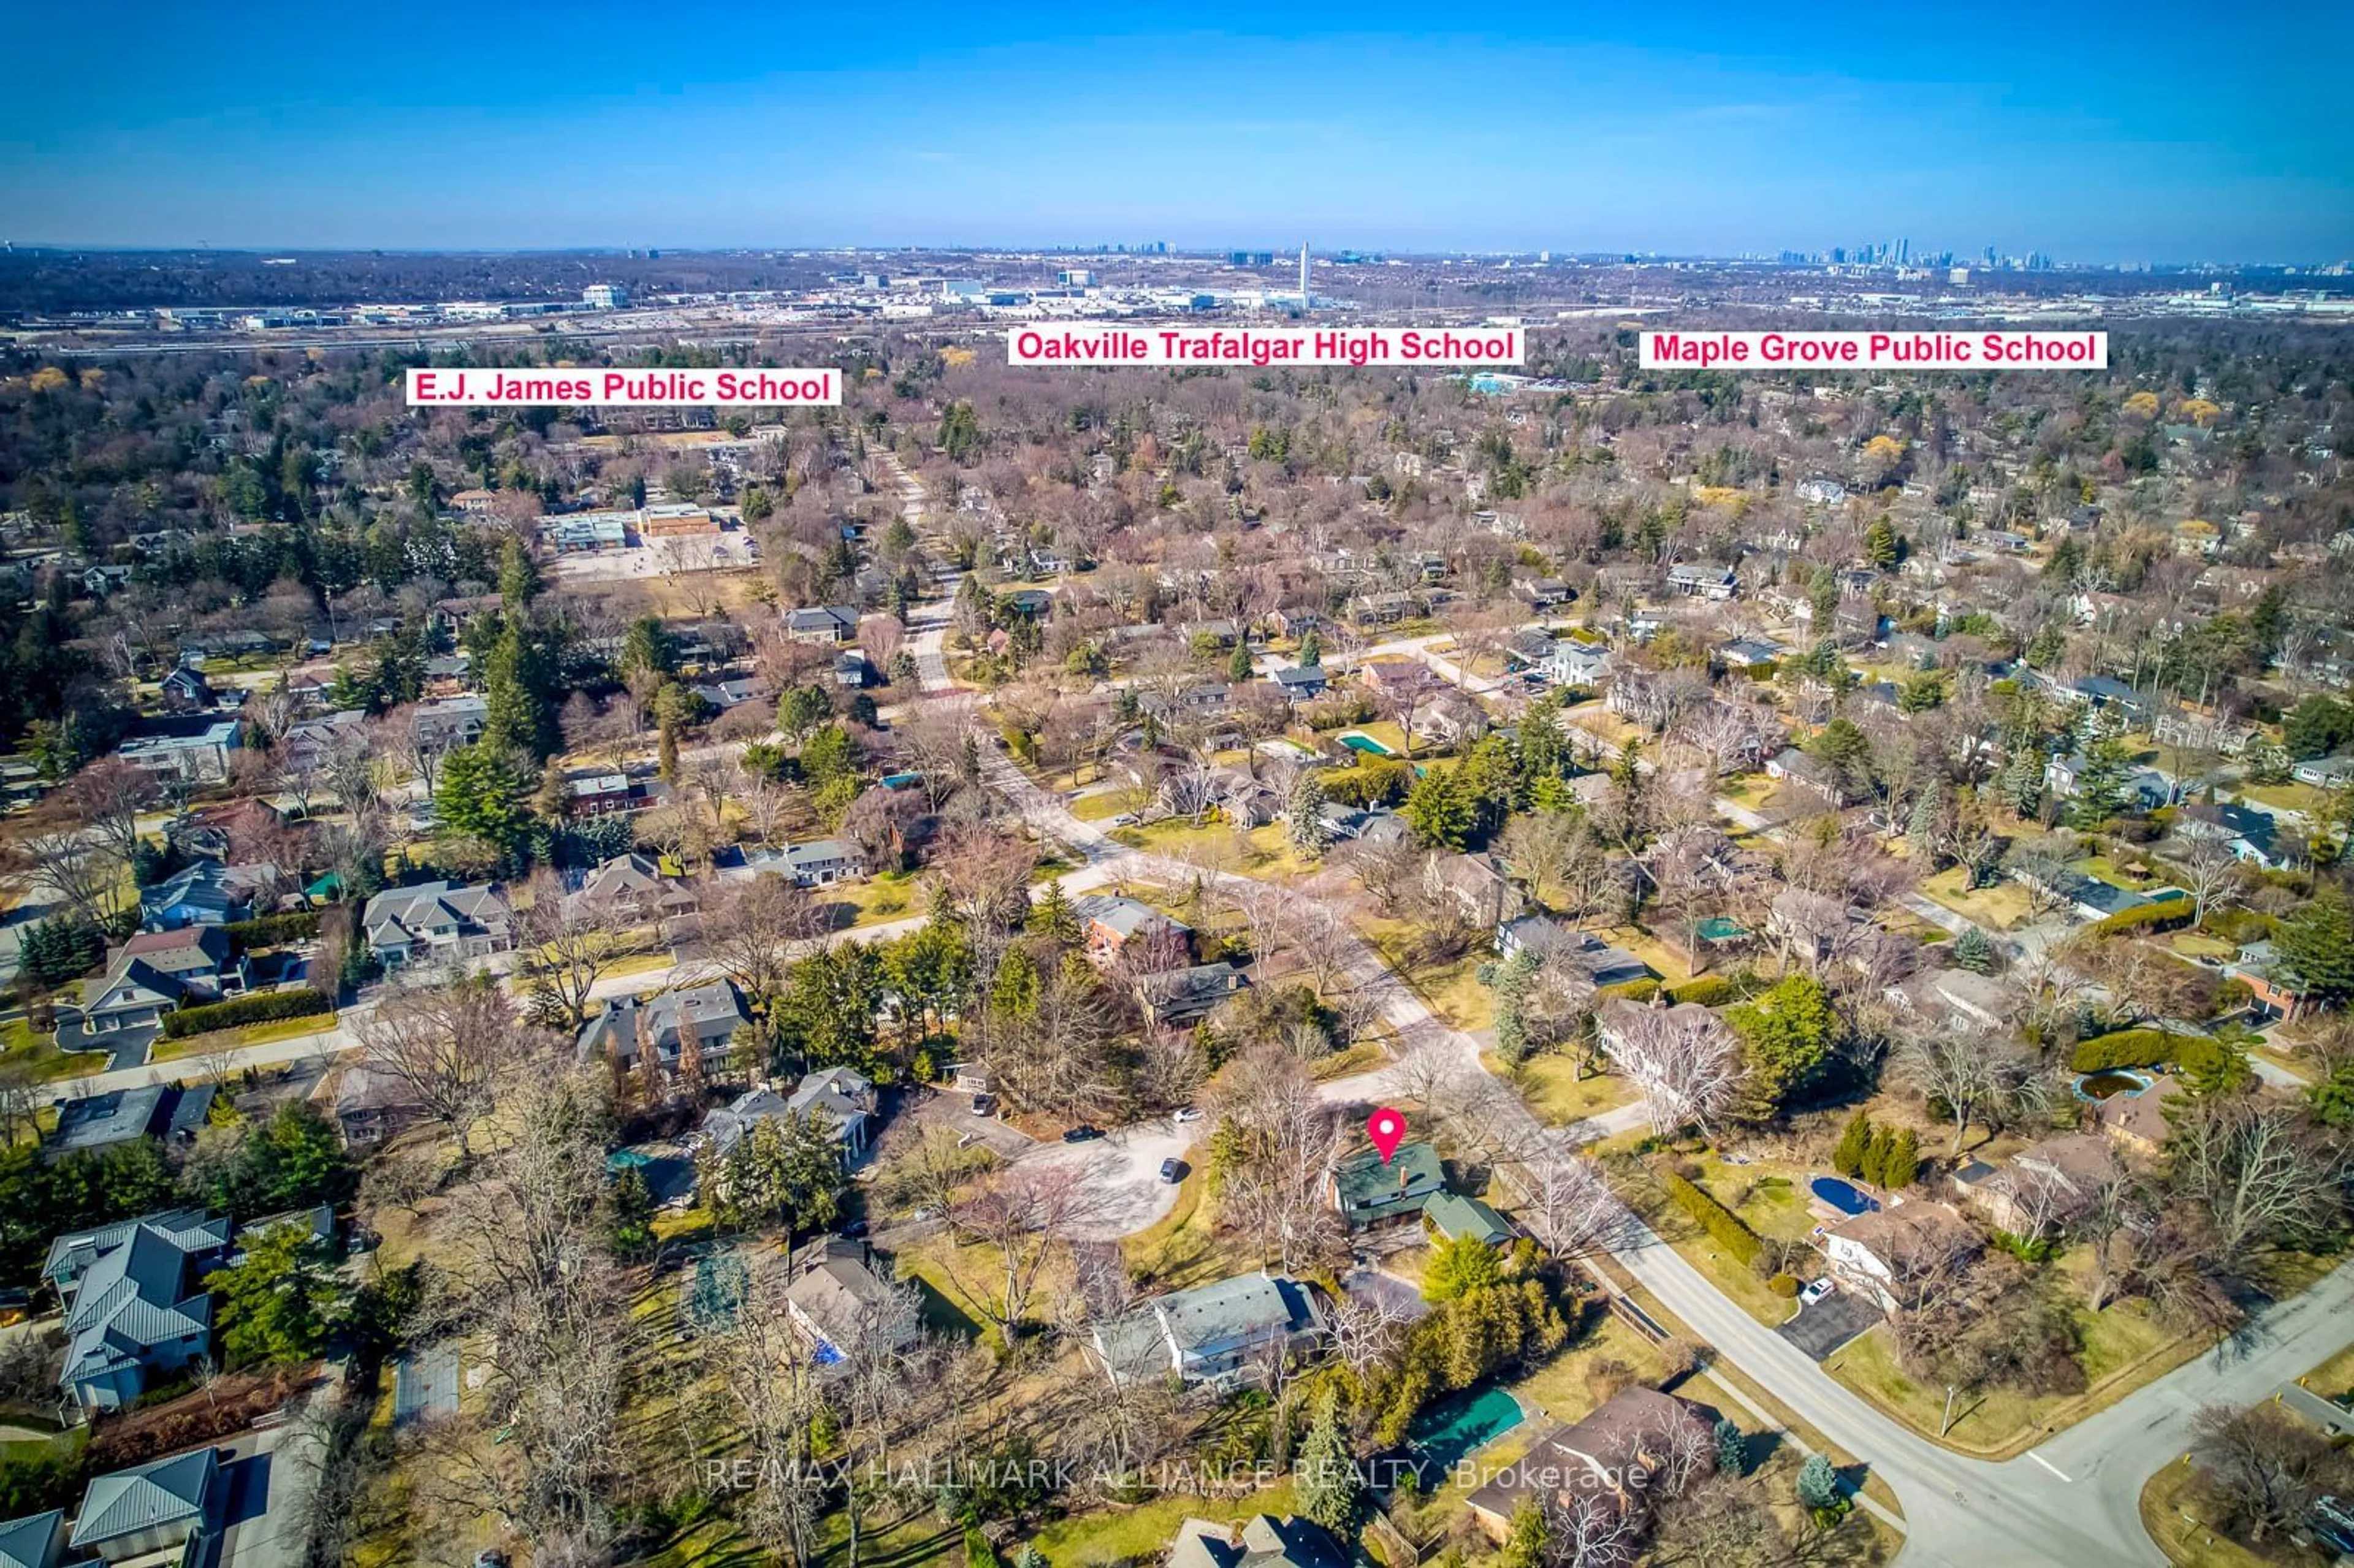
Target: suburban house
{"x": 821, "y": 863}
{"x": 1807, "y": 771}
{"x": 434, "y": 922}
{"x": 824, "y": 623}
{"x": 1702, "y": 580}
{"x": 150, "y": 1510}
{"x": 157, "y": 972}
{"x": 2136, "y": 1119}
{"x": 196, "y": 756}
{"x": 1545, "y": 936}
{"x": 1890, "y": 1254}
{"x": 1616, "y": 1021}
{"x": 1111, "y": 922}
{"x": 2046, "y": 1185}
{"x": 1367, "y": 1190}
{"x": 2275, "y": 992}
{"x": 2325, "y": 772}
{"x": 1212, "y": 1333}
{"x": 135, "y": 1302}
{"x": 444, "y": 724}
{"x": 632, "y": 887}
{"x": 1454, "y": 1217}
{"x": 1611, "y": 1454}
{"x": 1570, "y": 663}
{"x": 1301, "y": 683}
{"x": 842, "y": 1098}
{"x": 372, "y": 1105}
{"x": 1372, "y": 825}
{"x": 710, "y": 1013}
{"x": 37, "y": 1541}
{"x": 2088, "y": 897}
{"x": 186, "y": 691}
{"x": 1262, "y": 1541}
{"x": 95, "y": 1122}
{"x": 1540, "y": 593}
{"x": 2249, "y": 835}
{"x": 1175, "y": 998}
{"x": 839, "y": 1305}
{"x": 206, "y": 893}
{"x": 2145, "y": 788}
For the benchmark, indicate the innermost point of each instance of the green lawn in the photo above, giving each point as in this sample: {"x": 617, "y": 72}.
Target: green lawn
{"x": 875, "y": 902}
{"x": 41, "y": 1057}
{"x": 238, "y": 1039}
{"x": 1739, "y": 1283}
{"x": 1452, "y": 989}
{"x": 2174, "y": 1511}
{"x": 1569, "y": 1387}
{"x": 1141, "y": 1534}
{"x": 2106, "y": 869}
{"x": 2289, "y": 797}
{"x": 1551, "y": 1086}
{"x": 1265, "y": 852}
{"x": 1183, "y": 1248}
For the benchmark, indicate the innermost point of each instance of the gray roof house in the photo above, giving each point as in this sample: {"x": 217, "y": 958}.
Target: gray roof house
{"x": 1174, "y": 998}
{"x": 156, "y": 972}
{"x": 843, "y": 1098}
{"x": 148, "y": 1508}
{"x": 839, "y": 1303}
{"x": 37, "y": 1541}
{"x": 632, "y": 886}
{"x": 821, "y": 623}
{"x": 95, "y": 1122}
{"x": 1209, "y": 1334}
{"x": 712, "y": 1012}
{"x": 138, "y": 1306}
{"x": 197, "y": 895}
{"x": 1265, "y": 1541}
{"x": 821, "y": 863}
{"x": 434, "y": 922}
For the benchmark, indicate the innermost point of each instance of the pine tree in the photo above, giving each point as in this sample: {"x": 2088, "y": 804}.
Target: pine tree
{"x": 1880, "y": 544}
{"x": 1732, "y": 1447}
{"x": 1922, "y": 825}
{"x": 2021, "y": 783}
{"x": 1513, "y": 983}
{"x": 1875, "y": 1155}
{"x": 1854, "y": 1144}
{"x": 1052, "y": 915}
{"x": 1902, "y": 1163}
{"x": 1325, "y": 1474}
{"x": 1311, "y": 650}
{"x": 1818, "y": 1484}
{"x": 1304, "y": 821}
{"x": 1238, "y": 663}
{"x": 1973, "y": 952}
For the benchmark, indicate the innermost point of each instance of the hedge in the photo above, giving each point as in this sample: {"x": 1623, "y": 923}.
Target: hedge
{"x": 264, "y": 1008}
{"x": 2149, "y": 1048}
{"x": 2162, "y": 916}
{"x": 1704, "y": 991}
{"x": 1718, "y": 1221}
{"x": 269, "y": 930}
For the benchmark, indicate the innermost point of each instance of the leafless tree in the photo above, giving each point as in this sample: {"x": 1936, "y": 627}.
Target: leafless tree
{"x": 1682, "y": 1060}
{"x": 1565, "y": 1198}
{"x": 1016, "y": 1217}
{"x": 2266, "y": 1467}
{"x": 1588, "y": 1530}
{"x": 63, "y": 858}
{"x": 2259, "y": 1172}
{"x": 449, "y": 1045}
{"x": 1291, "y": 1139}
{"x": 751, "y": 928}
{"x": 110, "y": 795}
{"x": 566, "y": 943}
{"x": 2211, "y": 874}
{"x": 1979, "y": 1074}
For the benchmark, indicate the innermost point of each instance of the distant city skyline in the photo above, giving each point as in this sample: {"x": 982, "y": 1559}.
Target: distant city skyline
{"x": 1708, "y": 130}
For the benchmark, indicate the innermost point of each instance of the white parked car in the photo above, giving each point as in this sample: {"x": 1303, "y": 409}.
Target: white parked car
{"x": 1815, "y": 1292}
{"x": 1191, "y": 1113}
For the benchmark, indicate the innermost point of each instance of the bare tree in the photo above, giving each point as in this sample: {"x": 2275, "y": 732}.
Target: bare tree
{"x": 1682, "y": 1060}
{"x": 449, "y": 1046}
{"x": 2211, "y": 874}
{"x": 564, "y": 944}
{"x": 2264, "y": 1468}
{"x": 751, "y": 928}
{"x": 1016, "y": 1217}
{"x": 1978, "y": 1074}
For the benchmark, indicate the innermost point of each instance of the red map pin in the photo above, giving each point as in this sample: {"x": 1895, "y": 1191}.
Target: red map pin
{"x": 1386, "y": 1127}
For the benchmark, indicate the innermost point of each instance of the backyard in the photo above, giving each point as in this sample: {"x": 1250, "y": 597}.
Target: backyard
{"x": 2001, "y": 907}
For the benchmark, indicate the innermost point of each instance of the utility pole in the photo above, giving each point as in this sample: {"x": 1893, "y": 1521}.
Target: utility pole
{"x": 1946, "y": 1424}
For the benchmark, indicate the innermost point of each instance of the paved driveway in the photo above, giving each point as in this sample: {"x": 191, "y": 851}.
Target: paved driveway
{"x": 1829, "y": 1323}
{"x": 1123, "y": 1168}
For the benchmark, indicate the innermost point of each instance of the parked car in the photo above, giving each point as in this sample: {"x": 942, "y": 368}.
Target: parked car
{"x": 1815, "y": 1292}
{"x": 1125, "y": 820}
{"x": 1188, "y": 1113}
{"x": 1172, "y": 1170}
{"x": 1083, "y": 1134}
{"x": 982, "y": 1105}
{"x": 853, "y": 1230}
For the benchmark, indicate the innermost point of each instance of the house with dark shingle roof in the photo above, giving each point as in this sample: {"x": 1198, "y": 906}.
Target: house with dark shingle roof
{"x": 1611, "y": 1454}
{"x": 156, "y": 972}
{"x": 435, "y": 922}
{"x": 711, "y": 1012}
{"x": 148, "y": 1508}
{"x": 1367, "y": 1190}
{"x": 1265, "y": 1541}
{"x": 94, "y": 1122}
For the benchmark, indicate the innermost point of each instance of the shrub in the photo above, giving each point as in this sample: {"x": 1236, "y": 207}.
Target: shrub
{"x": 2123, "y": 1048}
{"x": 267, "y": 1007}
{"x": 1786, "y": 1285}
{"x": 2163, "y": 916}
{"x": 270, "y": 931}
{"x": 1708, "y": 990}
{"x": 1721, "y": 1224}
{"x": 1632, "y": 990}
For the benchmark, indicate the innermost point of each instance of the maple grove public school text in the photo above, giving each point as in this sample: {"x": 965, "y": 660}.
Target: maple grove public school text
{"x": 1875, "y": 350}
{"x": 637, "y": 388}
{"x": 1107, "y": 346}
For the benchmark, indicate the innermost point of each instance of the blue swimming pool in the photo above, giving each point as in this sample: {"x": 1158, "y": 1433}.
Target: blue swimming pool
{"x": 1365, "y": 743}
{"x": 1842, "y": 1195}
{"x": 1455, "y": 1428}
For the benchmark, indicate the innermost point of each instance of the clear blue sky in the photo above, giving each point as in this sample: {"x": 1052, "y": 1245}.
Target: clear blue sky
{"x": 2159, "y": 130}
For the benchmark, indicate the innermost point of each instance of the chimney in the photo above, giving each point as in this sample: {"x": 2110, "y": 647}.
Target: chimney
{"x": 1403, "y": 1177}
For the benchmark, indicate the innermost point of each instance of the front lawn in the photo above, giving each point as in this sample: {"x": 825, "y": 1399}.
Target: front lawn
{"x": 1452, "y": 989}
{"x": 1141, "y": 1534}
{"x": 2174, "y": 1511}
{"x": 1550, "y": 1086}
{"x": 238, "y": 1039}
{"x": 2001, "y": 907}
{"x": 879, "y": 899}
{"x": 38, "y": 1054}
{"x": 1263, "y": 852}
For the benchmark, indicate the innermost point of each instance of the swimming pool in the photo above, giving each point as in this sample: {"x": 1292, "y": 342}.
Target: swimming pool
{"x": 1357, "y": 740}
{"x": 1842, "y": 1195}
{"x": 1455, "y": 1428}
{"x": 2110, "y": 1083}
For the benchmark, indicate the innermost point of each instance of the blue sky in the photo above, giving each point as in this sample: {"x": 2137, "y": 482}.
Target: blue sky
{"x": 2158, "y": 132}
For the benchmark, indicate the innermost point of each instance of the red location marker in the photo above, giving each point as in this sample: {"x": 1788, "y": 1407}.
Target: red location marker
{"x": 1386, "y": 1127}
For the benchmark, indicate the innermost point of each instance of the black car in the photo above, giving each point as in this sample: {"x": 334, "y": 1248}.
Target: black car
{"x": 1083, "y": 1134}
{"x": 1172, "y": 1170}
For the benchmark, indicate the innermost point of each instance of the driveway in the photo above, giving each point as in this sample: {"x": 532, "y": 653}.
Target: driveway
{"x": 1823, "y": 1328}
{"x": 1123, "y": 1168}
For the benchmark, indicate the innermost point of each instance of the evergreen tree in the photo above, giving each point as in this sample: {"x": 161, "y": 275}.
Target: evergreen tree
{"x": 1325, "y": 1474}
{"x": 2021, "y": 783}
{"x": 2101, "y": 786}
{"x": 2316, "y": 949}
{"x": 1880, "y": 544}
{"x": 1238, "y": 663}
{"x": 481, "y": 792}
{"x": 1053, "y": 915}
{"x": 1817, "y": 1485}
{"x": 1902, "y": 1163}
{"x": 1854, "y": 1145}
{"x": 518, "y": 579}
{"x": 1441, "y": 811}
{"x": 1459, "y": 1266}
{"x": 1928, "y": 808}
{"x": 1311, "y": 650}
{"x": 276, "y": 1304}
{"x": 1513, "y": 982}
{"x": 1875, "y": 1155}
{"x": 1732, "y": 1447}
{"x": 1304, "y": 821}
{"x": 1527, "y": 1545}
{"x": 1973, "y": 952}
{"x": 1786, "y": 1036}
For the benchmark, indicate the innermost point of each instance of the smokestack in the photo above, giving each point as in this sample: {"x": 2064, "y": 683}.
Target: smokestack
{"x": 1303, "y": 274}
